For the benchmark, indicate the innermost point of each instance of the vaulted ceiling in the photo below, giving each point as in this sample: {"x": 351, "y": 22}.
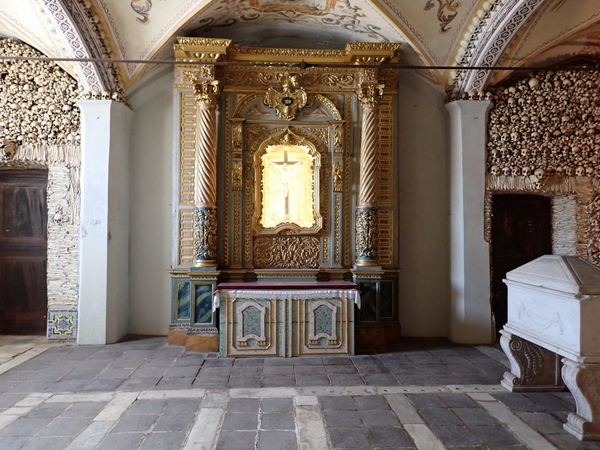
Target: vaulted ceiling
{"x": 434, "y": 33}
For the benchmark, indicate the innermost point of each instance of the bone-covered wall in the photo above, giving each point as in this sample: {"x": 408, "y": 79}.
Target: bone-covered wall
{"x": 40, "y": 129}
{"x": 544, "y": 138}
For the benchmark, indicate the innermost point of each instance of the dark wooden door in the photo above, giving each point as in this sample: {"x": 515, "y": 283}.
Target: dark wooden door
{"x": 23, "y": 247}
{"x": 521, "y": 231}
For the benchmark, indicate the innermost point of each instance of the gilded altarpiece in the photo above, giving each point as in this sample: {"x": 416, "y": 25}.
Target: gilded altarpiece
{"x": 288, "y": 143}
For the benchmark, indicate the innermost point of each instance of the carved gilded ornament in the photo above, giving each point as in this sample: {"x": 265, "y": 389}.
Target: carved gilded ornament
{"x": 294, "y": 252}
{"x": 366, "y": 236}
{"x": 236, "y": 175}
{"x": 287, "y": 100}
{"x": 207, "y": 93}
{"x": 205, "y": 236}
{"x": 369, "y": 94}
{"x": 236, "y": 136}
{"x": 338, "y": 135}
{"x": 338, "y": 178}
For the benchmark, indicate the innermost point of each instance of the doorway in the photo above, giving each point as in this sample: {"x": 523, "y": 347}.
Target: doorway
{"x": 521, "y": 232}
{"x": 23, "y": 248}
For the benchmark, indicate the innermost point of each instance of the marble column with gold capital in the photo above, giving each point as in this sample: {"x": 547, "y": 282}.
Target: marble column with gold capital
{"x": 366, "y": 239}
{"x": 205, "y": 194}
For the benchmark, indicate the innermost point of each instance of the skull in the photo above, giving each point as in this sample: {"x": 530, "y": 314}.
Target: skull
{"x": 514, "y": 136}
{"x": 515, "y": 171}
{"x": 524, "y": 152}
{"x": 526, "y": 171}
{"x": 580, "y": 171}
{"x": 589, "y": 171}
{"x": 7, "y": 150}
{"x": 569, "y": 171}
{"x": 494, "y": 154}
{"x": 106, "y": 95}
{"x": 506, "y": 171}
{"x": 560, "y": 171}
{"x": 535, "y": 135}
{"x": 539, "y": 173}
{"x": 495, "y": 170}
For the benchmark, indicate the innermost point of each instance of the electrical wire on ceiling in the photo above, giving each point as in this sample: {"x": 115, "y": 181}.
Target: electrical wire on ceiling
{"x": 301, "y": 65}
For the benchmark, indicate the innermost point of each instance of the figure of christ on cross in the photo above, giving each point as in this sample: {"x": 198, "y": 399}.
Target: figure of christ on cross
{"x": 286, "y": 167}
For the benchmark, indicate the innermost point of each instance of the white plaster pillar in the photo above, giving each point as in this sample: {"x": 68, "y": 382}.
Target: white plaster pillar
{"x": 104, "y": 234}
{"x": 471, "y": 315}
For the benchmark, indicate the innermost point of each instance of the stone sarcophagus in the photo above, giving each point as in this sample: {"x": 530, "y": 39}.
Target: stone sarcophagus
{"x": 553, "y": 312}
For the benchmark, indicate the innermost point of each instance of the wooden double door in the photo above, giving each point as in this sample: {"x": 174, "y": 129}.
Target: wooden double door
{"x": 23, "y": 249}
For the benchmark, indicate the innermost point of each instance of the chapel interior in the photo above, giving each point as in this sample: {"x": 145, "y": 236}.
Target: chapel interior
{"x": 276, "y": 178}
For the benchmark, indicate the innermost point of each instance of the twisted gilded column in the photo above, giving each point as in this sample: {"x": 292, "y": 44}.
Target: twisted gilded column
{"x": 205, "y": 194}
{"x": 366, "y": 240}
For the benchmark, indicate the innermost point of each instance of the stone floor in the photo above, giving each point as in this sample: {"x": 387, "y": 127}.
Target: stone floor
{"x": 144, "y": 394}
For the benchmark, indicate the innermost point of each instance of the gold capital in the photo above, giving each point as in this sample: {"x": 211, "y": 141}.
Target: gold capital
{"x": 207, "y": 92}
{"x": 369, "y": 94}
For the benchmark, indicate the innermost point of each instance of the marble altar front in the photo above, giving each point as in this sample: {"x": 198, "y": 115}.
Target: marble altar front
{"x": 286, "y": 318}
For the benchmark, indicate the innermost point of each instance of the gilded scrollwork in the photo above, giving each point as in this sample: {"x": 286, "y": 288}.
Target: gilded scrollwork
{"x": 294, "y": 252}
{"x": 366, "y": 239}
{"x": 338, "y": 178}
{"x": 237, "y": 133}
{"x": 321, "y": 132}
{"x": 369, "y": 94}
{"x": 338, "y": 135}
{"x": 205, "y": 236}
{"x": 288, "y": 99}
{"x": 236, "y": 175}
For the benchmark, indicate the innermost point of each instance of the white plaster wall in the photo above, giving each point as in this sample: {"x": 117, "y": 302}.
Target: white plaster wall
{"x": 423, "y": 228}
{"x": 150, "y": 206}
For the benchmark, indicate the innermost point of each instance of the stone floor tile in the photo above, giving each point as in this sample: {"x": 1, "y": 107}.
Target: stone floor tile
{"x": 425, "y": 400}
{"x": 8, "y": 400}
{"x": 113, "y": 372}
{"x": 148, "y": 372}
{"x": 26, "y": 427}
{"x": 218, "y": 362}
{"x": 310, "y": 370}
{"x": 240, "y": 421}
{"x": 307, "y": 361}
{"x": 378, "y": 418}
{"x": 277, "y": 370}
{"x": 243, "y": 405}
{"x": 245, "y": 382}
{"x": 138, "y": 384}
{"x": 543, "y": 423}
{"x": 280, "y": 440}
{"x": 12, "y": 443}
{"x": 279, "y": 381}
{"x": 446, "y": 380}
{"x": 175, "y": 383}
{"x": 518, "y": 402}
{"x": 214, "y": 372}
{"x": 458, "y": 400}
{"x": 66, "y": 386}
{"x": 336, "y": 419}
{"x": 551, "y": 402}
{"x": 163, "y": 441}
{"x": 246, "y": 362}
{"x": 414, "y": 380}
{"x": 337, "y": 403}
{"x": 104, "y": 385}
{"x": 65, "y": 426}
{"x": 349, "y": 438}
{"x": 147, "y": 406}
{"x": 47, "y": 410}
{"x": 341, "y": 369}
{"x": 439, "y": 416}
{"x": 494, "y": 436}
{"x": 83, "y": 409}
{"x": 389, "y": 437}
{"x": 569, "y": 442}
{"x": 135, "y": 422}
{"x": 210, "y": 383}
{"x": 345, "y": 380}
{"x": 455, "y": 435}
{"x": 474, "y": 416}
{"x": 423, "y": 359}
{"x": 336, "y": 361}
{"x": 370, "y": 402}
{"x": 47, "y": 443}
{"x": 277, "y": 421}
{"x": 272, "y": 405}
{"x": 312, "y": 380}
{"x": 380, "y": 380}
{"x": 114, "y": 441}
{"x": 247, "y": 371}
{"x": 236, "y": 440}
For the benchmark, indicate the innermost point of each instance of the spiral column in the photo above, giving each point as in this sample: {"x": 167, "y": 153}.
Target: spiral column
{"x": 366, "y": 236}
{"x": 205, "y": 193}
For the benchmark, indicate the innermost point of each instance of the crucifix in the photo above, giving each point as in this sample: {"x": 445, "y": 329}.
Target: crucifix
{"x": 285, "y": 166}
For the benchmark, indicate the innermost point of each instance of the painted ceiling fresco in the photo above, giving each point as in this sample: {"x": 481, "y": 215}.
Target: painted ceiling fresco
{"x": 434, "y": 32}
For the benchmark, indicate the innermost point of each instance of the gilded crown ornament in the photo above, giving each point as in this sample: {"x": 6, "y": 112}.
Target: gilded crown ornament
{"x": 207, "y": 92}
{"x": 288, "y": 99}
